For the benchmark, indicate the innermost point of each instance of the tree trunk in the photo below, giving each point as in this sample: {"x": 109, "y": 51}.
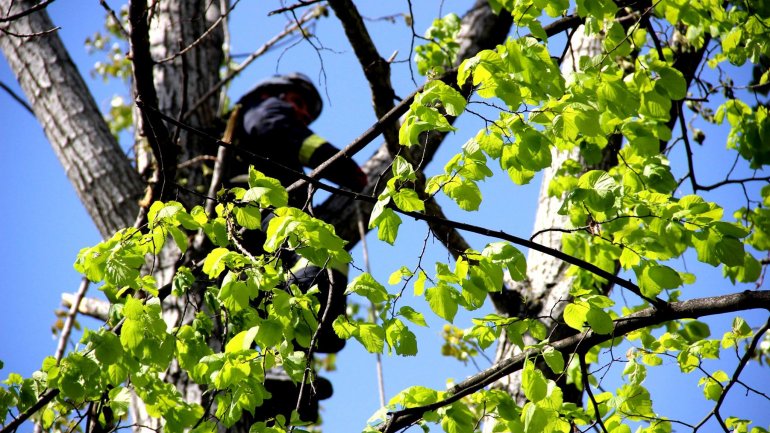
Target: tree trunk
{"x": 547, "y": 285}
{"x": 103, "y": 177}
{"x": 187, "y": 48}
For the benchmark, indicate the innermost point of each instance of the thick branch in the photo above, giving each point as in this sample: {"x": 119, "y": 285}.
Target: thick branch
{"x": 582, "y": 342}
{"x": 32, "y": 9}
{"x": 155, "y": 131}
{"x": 431, "y": 219}
{"x": 376, "y": 69}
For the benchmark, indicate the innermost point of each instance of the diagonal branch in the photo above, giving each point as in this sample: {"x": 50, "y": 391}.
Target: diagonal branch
{"x": 376, "y": 69}
{"x": 430, "y": 219}
{"x": 734, "y": 379}
{"x": 32, "y": 9}
{"x": 154, "y": 130}
{"x": 234, "y": 72}
{"x": 582, "y": 342}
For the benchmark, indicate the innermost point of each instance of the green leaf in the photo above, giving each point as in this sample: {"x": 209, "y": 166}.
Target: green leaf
{"x": 371, "y": 336}
{"x": 269, "y": 333}
{"x": 458, "y": 419}
{"x": 533, "y": 383}
{"x": 535, "y": 419}
{"x": 412, "y": 315}
{"x": 265, "y": 190}
{"x": 554, "y": 359}
{"x": 131, "y": 334}
{"x": 655, "y": 106}
{"x": 419, "y": 283}
{"x": 248, "y": 217}
{"x": 180, "y": 239}
{"x": 401, "y": 338}
{"x": 120, "y": 400}
{"x": 133, "y": 309}
{"x": 672, "y": 82}
{"x": 407, "y": 200}
{"x": 366, "y": 286}
{"x": 509, "y": 256}
{"x": 600, "y": 189}
{"x": 600, "y": 321}
{"x": 664, "y": 276}
{"x": 214, "y": 264}
{"x": 575, "y": 315}
{"x": 465, "y": 193}
{"x": 121, "y": 270}
{"x": 387, "y": 223}
{"x": 730, "y": 251}
{"x": 402, "y": 169}
{"x": 453, "y": 102}
{"x": 108, "y": 349}
{"x": 343, "y": 328}
{"x": 443, "y": 300}
{"x": 241, "y": 341}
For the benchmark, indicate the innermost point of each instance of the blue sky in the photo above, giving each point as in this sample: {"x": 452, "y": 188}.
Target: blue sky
{"x": 43, "y": 224}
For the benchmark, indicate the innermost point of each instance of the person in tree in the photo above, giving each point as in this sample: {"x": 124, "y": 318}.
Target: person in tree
{"x": 275, "y": 115}
{"x": 273, "y": 122}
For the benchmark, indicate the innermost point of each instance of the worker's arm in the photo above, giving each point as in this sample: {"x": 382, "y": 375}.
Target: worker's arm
{"x": 344, "y": 171}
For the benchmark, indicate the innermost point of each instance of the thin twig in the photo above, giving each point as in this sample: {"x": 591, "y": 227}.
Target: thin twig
{"x": 29, "y": 35}
{"x": 300, "y": 4}
{"x": 70, "y": 321}
{"x": 321, "y": 324}
{"x": 688, "y": 150}
{"x": 32, "y": 9}
{"x": 587, "y": 387}
{"x": 201, "y": 37}
{"x": 581, "y": 343}
{"x": 367, "y": 265}
{"x": 115, "y": 18}
{"x": 18, "y": 98}
{"x": 237, "y": 70}
{"x": 741, "y": 365}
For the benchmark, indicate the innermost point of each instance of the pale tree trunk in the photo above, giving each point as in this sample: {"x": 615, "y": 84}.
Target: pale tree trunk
{"x": 103, "y": 177}
{"x": 547, "y": 285}
{"x": 186, "y": 41}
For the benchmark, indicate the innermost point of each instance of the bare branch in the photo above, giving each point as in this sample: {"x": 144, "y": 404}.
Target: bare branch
{"x": 582, "y": 342}
{"x": 70, "y": 321}
{"x": 46, "y": 398}
{"x": 431, "y": 219}
{"x": 208, "y": 31}
{"x": 735, "y": 377}
{"x": 376, "y": 69}
{"x": 91, "y": 307}
{"x": 115, "y": 18}
{"x": 40, "y": 6}
{"x": 16, "y": 97}
{"x": 155, "y": 131}
{"x": 587, "y": 387}
{"x": 294, "y": 26}
{"x": 300, "y": 4}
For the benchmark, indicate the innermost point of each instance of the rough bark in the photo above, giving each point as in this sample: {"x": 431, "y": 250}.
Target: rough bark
{"x": 186, "y": 45}
{"x": 547, "y": 285}
{"x": 186, "y": 66}
{"x": 104, "y": 179}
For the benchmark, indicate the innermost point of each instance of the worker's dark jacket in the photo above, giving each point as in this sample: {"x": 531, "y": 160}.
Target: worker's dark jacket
{"x": 270, "y": 128}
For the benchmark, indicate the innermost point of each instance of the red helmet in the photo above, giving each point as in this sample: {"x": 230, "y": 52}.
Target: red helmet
{"x": 294, "y": 81}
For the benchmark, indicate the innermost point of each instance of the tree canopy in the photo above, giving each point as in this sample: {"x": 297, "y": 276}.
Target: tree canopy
{"x": 644, "y": 121}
